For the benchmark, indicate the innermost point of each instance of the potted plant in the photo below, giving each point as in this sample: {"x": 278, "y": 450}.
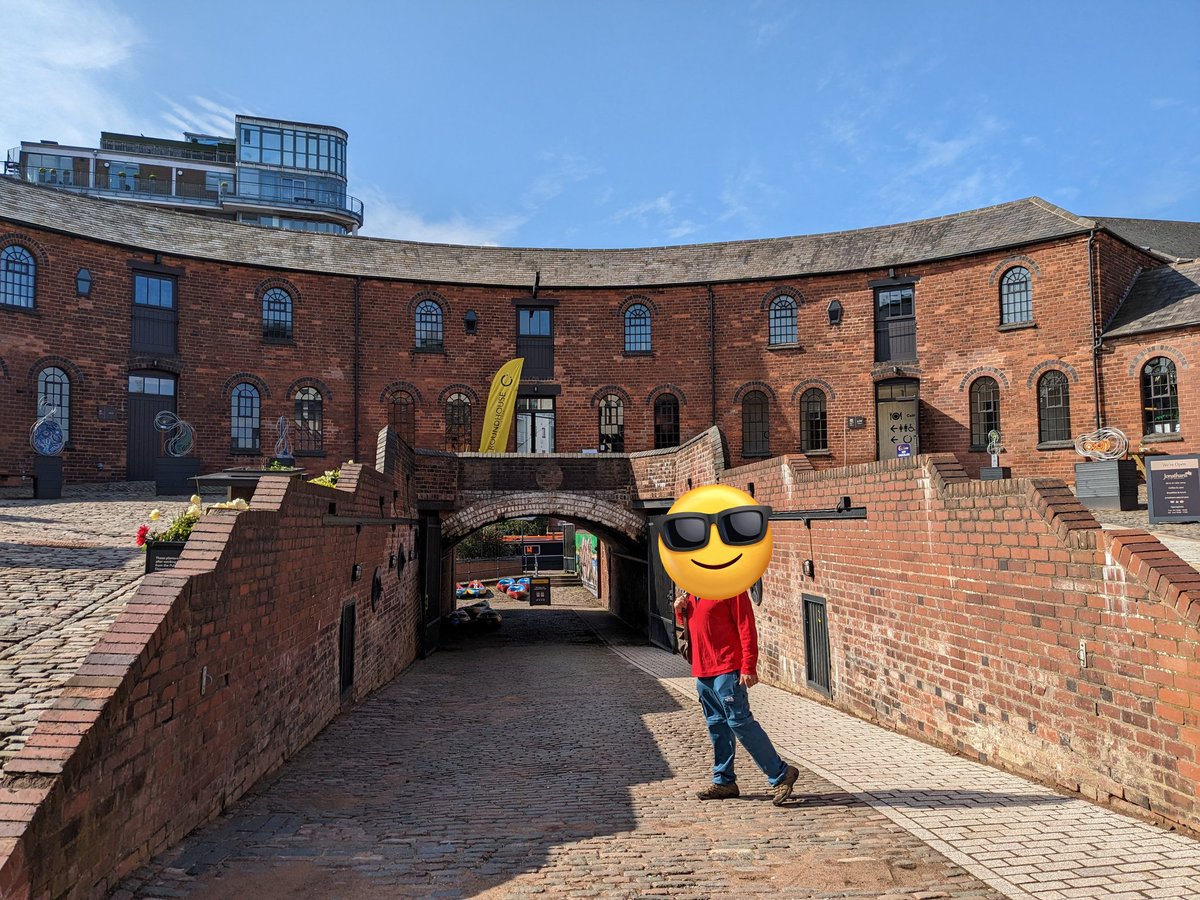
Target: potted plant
{"x": 163, "y": 548}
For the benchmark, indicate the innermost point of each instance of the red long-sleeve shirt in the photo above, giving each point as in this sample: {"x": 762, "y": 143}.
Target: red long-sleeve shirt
{"x": 723, "y": 635}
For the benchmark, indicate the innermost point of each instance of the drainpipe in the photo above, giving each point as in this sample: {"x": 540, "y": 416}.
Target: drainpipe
{"x": 712, "y": 353}
{"x": 1096, "y": 334}
{"x": 357, "y": 372}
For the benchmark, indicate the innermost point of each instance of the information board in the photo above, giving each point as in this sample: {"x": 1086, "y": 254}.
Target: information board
{"x": 1173, "y": 488}
{"x": 539, "y": 591}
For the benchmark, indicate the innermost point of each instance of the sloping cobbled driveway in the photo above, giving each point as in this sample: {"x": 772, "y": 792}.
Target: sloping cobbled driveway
{"x": 67, "y": 569}
{"x": 533, "y": 761}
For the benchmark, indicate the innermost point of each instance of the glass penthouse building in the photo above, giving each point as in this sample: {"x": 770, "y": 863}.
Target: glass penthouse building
{"x": 273, "y": 172}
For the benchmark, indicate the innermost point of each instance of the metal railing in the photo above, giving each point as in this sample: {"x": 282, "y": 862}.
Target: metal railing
{"x": 151, "y": 187}
{"x": 199, "y": 152}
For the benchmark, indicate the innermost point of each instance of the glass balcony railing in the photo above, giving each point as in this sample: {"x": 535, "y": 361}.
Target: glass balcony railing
{"x": 148, "y": 187}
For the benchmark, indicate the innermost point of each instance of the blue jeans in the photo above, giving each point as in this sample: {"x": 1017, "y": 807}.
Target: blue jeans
{"x": 727, "y": 711}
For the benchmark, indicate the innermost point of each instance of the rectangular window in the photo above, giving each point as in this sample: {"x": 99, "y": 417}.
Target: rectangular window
{"x": 154, "y": 319}
{"x": 535, "y": 341}
{"x": 535, "y": 424}
{"x": 895, "y": 324}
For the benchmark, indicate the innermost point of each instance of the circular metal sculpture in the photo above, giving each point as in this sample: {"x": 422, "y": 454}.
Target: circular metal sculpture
{"x": 1103, "y": 443}
{"x": 283, "y": 446}
{"x": 182, "y": 435}
{"x": 46, "y": 435}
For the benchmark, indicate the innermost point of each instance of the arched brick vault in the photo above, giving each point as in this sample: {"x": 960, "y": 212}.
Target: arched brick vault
{"x": 612, "y": 520}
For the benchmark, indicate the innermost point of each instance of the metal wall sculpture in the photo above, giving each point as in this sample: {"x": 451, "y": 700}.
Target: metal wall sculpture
{"x": 46, "y": 435}
{"x": 1103, "y": 443}
{"x": 283, "y": 446}
{"x": 180, "y": 436}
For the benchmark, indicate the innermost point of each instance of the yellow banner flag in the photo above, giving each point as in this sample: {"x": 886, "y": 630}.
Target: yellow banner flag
{"x": 498, "y": 414}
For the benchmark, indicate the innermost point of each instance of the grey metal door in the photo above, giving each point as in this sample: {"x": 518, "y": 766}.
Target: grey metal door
{"x": 660, "y": 619}
{"x": 149, "y": 394}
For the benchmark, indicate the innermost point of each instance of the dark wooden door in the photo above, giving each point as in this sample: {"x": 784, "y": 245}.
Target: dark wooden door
{"x": 149, "y": 394}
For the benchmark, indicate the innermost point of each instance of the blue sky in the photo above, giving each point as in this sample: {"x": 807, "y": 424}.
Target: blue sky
{"x": 617, "y": 124}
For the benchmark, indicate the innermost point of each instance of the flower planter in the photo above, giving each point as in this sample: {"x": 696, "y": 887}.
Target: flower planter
{"x": 162, "y": 555}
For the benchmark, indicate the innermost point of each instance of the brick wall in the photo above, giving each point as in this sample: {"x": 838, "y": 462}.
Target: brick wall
{"x": 214, "y": 675}
{"x": 955, "y": 614}
{"x": 221, "y": 343}
{"x": 1123, "y": 361}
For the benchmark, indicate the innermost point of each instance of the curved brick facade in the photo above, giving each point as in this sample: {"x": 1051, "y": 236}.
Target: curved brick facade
{"x": 353, "y": 337}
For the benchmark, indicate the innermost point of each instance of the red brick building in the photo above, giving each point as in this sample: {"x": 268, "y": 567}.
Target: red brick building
{"x": 852, "y": 346}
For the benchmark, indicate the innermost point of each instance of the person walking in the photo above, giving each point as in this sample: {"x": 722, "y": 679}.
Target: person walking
{"x": 724, "y": 656}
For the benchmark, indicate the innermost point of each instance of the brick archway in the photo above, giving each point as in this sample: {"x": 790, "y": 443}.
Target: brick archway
{"x": 610, "y": 518}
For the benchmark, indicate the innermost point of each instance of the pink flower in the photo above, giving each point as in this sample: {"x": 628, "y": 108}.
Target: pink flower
{"x": 141, "y": 535}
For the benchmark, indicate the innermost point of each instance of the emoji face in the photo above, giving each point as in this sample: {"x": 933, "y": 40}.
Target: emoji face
{"x": 715, "y": 542}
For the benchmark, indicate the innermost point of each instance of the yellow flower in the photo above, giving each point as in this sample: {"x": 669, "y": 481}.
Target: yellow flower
{"x": 193, "y": 510}
{"x": 194, "y": 500}
{"x": 155, "y": 515}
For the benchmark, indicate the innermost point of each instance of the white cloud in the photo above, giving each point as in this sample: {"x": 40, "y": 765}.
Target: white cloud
{"x": 203, "y": 116}
{"x": 383, "y": 217}
{"x": 563, "y": 170}
{"x": 61, "y": 60}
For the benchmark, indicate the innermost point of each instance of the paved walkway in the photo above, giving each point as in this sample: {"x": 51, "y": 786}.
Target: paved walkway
{"x": 535, "y": 761}
{"x": 541, "y": 761}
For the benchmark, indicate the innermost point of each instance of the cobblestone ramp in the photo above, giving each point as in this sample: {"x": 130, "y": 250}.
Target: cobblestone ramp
{"x": 1024, "y": 840}
{"x": 67, "y": 569}
{"x": 535, "y": 762}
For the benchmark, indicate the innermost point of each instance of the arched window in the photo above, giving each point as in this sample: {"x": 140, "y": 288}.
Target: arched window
{"x": 666, "y": 421}
{"x": 277, "y": 315}
{"x": 458, "y": 423}
{"x": 18, "y": 272}
{"x": 985, "y": 411}
{"x": 814, "y": 432}
{"x": 756, "y": 424}
{"x": 637, "y": 329}
{"x": 1054, "y": 407}
{"x": 783, "y": 321}
{"x": 244, "y": 425}
{"x": 403, "y": 416}
{"x": 54, "y": 392}
{"x": 309, "y": 421}
{"x": 612, "y": 425}
{"x": 429, "y": 326}
{"x": 1160, "y": 397}
{"x": 1016, "y": 297}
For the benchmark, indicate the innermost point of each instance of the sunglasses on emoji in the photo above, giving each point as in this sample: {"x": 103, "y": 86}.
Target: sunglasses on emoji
{"x": 737, "y": 526}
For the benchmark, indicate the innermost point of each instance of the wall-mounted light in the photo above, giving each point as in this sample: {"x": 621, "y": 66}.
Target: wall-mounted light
{"x": 83, "y": 283}
{"x": 891, "y": 273}
{"x": 470, "y": 321}
{"x": 835, "y": 312}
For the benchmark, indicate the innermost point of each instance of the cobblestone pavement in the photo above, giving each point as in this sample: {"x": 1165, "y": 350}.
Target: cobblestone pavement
{"x": 1024, "y": 840}
{"x": 534, "y": 761}
{"x": 67, "y": 568}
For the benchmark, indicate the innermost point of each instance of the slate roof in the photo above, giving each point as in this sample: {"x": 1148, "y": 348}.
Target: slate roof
{"x": 1166, "y": 297}
{"x": 1171, "y": 240}
{"x": 188, "y": 235}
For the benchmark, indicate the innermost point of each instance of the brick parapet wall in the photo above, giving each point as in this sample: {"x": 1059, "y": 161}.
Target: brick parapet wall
{"x": 214, "y": 674}
{"x": 956, "y": 612}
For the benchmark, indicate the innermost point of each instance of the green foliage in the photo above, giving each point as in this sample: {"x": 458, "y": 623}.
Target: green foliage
{"x": 329, "y": 479}
{"x": 276, "y": 466}
{"x": 179, "y": 529}
{"x": 486, "y": 543}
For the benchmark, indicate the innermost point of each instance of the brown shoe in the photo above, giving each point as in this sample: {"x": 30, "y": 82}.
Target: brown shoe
{"x": 783, "y": 790}
{"x": 720, "y": 792}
